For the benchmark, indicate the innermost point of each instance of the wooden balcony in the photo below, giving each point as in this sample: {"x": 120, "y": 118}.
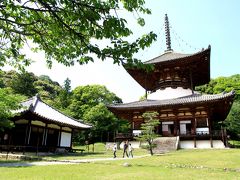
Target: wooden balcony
{"x": 202, "y": 134}
{"x": 216, "y": 134}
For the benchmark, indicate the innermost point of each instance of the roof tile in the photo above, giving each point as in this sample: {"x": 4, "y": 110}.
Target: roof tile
{"x": 195, "y": 98}
{"x": 38, "y": 107}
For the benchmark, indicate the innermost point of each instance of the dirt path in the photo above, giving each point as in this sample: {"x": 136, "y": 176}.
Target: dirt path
{"x": 56, "y": 162}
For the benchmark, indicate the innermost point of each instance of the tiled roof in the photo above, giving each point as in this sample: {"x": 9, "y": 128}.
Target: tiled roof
{"x": 171, "y": 55}
{"x": 196, "y": 98}
{"x": 38, "y": 107}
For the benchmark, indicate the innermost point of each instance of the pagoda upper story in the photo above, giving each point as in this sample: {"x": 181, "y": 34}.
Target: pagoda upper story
{"x": 173, "y": 70}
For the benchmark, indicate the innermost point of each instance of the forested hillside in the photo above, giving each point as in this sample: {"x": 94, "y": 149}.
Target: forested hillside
{"x": 89, "y": 102}
{"x": 226, "y": 84}
{"x": 84, "y": 102}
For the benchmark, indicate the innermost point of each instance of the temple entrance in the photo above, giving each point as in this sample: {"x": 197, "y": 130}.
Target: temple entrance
{"x": 171, "y": 129}
{"x": 168, "y": 128}
{"x": 52, "y": 137}
{"x": 19, "y": 135}
{"x": 185, "y": 127}
{"x": 36, "y": 137}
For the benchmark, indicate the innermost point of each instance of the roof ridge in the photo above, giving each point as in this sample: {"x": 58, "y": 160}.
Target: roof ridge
{"x": 32, "y": 106}
{"x": 59, "y": 111}
{"x": 34, "y": 102}
{"x": 184, "y": 100}
{"x": 173, "y": 52}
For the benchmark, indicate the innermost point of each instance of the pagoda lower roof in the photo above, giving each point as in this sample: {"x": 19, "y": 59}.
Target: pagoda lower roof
{"x": 187, "y": 100}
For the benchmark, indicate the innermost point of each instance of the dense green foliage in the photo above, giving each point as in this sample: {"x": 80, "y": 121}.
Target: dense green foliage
{"x": 84, "y": 102}
{"x": 233, "y": 120}
{"x": 227, "y": 84}
{"x": 222, "y": 84}
{"x": 8, "y": 103}
{"x": 28, "y": 84}
{"x": 89, "y": 103}
{"x": 70, "y": 31}
{"x": 148, "y": 134}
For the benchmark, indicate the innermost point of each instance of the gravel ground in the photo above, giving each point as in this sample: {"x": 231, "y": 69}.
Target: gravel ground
{"x": 56, "y": 162}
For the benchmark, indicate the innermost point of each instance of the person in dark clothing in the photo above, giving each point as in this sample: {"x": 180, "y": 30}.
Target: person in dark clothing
{"x": 125, "y": 147}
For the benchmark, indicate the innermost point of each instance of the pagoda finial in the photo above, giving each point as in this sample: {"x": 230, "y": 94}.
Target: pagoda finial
{"x": 167, "y": 34}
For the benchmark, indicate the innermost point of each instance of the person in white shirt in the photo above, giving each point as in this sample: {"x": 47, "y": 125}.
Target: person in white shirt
{"x": 130, "y": 150}
{"x": 114, "y": 150}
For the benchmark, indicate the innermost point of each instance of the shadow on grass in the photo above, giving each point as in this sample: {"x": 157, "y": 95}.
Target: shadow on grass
{"x": 14, "y": 164}
{"x": 85, "y": 154}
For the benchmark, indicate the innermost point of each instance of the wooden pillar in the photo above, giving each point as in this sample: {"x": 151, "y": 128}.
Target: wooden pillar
{"x": 71, "y": 138}
{"x": 46, "y": 135}
{"x": 59, "y": 136}
{"x": 210, "y": 131}
{"x": 195, "y": 134}
{"x": 176, "y": 123}
{"x": 29, "y": 132}
{"x": 26, "y": 134}
{"x": 43, "y": 139}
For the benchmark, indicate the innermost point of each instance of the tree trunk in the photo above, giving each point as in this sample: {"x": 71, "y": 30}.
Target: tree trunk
{"x": 150, "y": 148}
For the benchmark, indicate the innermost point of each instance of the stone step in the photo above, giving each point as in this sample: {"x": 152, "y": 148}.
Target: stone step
{"x": 164, "y": 144}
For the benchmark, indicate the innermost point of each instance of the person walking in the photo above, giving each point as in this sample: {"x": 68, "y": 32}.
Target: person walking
{"x": 114, "y": 150}
{"x": 125, "y": 147}
{"x": 130, "y": 150}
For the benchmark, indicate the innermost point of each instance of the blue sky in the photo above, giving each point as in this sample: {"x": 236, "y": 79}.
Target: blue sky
{"x": 195, "y": 23}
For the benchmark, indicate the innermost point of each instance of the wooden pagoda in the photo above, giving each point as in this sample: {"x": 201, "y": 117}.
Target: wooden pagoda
{"x": 183, "y": 112}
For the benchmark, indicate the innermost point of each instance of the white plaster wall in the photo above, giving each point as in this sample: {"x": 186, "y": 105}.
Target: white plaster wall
{"x": 170, "y": 93}
{"x": 183, "y": 128}
{"x": 201, "y": 144}
{"x": 164, "y": 127}
{"x": 65, "y": 139}
{"x": 218, "y": 144}
{"x": 186, "y": 144}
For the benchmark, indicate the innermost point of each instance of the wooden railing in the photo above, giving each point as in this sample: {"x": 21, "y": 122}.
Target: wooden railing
{"x": 215, "y": 133}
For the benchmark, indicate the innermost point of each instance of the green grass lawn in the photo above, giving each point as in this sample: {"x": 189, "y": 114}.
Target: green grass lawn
{"x": 181, "y": 164}
{"x": 99, "y": 152}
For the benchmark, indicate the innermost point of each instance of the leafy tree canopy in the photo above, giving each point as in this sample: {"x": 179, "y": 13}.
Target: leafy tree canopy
{"x": 103, "y": 121}
{"x": 222, "y": 84}
{"x": 22, "y": 83}
{"x": 84, "y": 102}
{"x": 70, "y": 31}
{"x": 227, "y": 84}
{"x": 233, "y": 120}
{"x": 8, "y": 103}
{"x": 86, "y": 97}
{"x": 28, "y": 84}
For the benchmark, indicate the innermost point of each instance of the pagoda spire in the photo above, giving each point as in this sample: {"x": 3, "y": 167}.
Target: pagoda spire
{"x": 167, "y": 34}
